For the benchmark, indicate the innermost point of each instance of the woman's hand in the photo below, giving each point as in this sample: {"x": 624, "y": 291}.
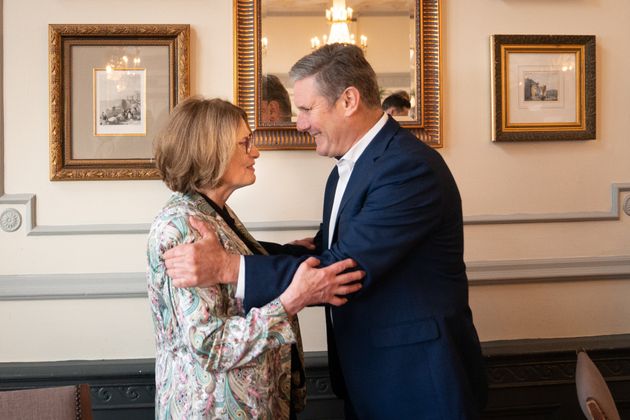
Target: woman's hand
{"x": 312, "y": 285}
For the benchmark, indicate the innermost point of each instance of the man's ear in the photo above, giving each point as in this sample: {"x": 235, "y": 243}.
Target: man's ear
{"x": 350, "y": 100}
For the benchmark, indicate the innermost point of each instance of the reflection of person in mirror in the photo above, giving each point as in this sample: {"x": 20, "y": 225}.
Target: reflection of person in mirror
{"x": 403, "y": 93}
{"x": 276, "y": 105}
{"x": 214, "y": 359}
{"x": 396, "y": 105}
{"x": 404, "y": 346}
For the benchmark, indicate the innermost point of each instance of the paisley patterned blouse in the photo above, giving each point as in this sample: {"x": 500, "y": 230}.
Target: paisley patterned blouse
{"x": 213, "y": 360}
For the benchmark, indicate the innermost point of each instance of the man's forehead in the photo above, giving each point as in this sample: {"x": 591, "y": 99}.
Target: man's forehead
{"x": 306, "y": 84}
{"x": 307, "y": 90}
{"x": 304, "y": 97}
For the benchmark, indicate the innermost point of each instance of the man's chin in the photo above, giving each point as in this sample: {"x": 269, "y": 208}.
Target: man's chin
{"x": 320, "y": 149}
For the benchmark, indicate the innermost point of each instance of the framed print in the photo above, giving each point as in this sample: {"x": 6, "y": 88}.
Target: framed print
{"x": 119, "y": 102}
{"x": 543, "y": 87}
{"x": 111, "y": 89}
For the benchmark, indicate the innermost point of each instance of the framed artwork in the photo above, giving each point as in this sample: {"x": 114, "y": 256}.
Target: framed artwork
{"x": 119, "y": 97}
{"x": 111, "y": 89}
{"x": 543, "y": 87}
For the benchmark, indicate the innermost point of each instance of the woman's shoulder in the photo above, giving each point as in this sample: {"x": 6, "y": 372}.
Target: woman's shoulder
{"x": 179, "y": 207}
{"x": 171, "y": 223}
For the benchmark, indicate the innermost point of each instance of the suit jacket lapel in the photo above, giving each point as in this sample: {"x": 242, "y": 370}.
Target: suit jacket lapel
{"x": 363, "y": 166}
{"x": 329, "y": 197}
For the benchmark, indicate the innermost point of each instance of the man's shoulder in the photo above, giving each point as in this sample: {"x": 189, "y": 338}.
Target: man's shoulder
{"x": 405, "y": 146}
{"x": 406, "y": 138}
{"x": 406, "y": 154}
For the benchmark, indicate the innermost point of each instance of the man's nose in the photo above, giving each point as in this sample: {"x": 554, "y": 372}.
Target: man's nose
{"x": 301, "y": 123}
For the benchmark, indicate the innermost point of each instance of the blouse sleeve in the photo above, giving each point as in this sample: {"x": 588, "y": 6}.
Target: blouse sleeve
{"x": 205, "y": 320}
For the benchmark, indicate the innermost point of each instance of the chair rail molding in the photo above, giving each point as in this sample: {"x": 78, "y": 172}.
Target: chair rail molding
{"x": 480, "y": 273}
{"x": 32, "y": 229}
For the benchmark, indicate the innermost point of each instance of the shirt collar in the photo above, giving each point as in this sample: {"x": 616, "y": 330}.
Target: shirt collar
{"x": 352, "y": 155}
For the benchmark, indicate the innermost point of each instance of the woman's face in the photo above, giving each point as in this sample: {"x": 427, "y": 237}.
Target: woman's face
{"x": 240, "y": 171}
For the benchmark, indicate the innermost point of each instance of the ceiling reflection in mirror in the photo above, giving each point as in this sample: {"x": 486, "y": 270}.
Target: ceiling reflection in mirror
{"x": 291, "y": 29}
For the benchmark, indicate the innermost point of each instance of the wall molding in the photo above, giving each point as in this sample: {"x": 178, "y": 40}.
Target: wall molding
{"x": 72, "y": 286}
{"x": 32, "y": 229}
{"x": 614, "y": 213}
{"x": 550, "y": 270}
{"x": 480, "y": 273}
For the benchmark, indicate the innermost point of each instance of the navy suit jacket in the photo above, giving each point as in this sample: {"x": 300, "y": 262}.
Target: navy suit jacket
{"x": 404, "y": 346}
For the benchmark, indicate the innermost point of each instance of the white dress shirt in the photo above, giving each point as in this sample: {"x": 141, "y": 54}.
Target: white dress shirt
{"x": 345, "y": 165}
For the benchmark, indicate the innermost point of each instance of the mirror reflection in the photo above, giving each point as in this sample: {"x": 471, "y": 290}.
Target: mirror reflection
{"x": 385, "y": 30}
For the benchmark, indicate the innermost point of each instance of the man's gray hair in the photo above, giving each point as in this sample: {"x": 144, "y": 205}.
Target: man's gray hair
{"x": 337, "y": 67}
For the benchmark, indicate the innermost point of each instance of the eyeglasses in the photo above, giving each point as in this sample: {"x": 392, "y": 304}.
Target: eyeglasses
{"x": 248, "y": 142}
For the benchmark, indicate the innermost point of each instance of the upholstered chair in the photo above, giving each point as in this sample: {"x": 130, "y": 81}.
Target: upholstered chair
{"x": 593, "y": 394}
{"x": 57, "y": 403}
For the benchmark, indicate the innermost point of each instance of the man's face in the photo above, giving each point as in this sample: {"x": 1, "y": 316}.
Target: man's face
{"x": 270, "y": 112}
{"x": 324, "y": 121}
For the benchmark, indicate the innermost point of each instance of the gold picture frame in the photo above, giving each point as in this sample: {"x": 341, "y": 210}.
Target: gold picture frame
{"x": 543, "y": 87}
{"x": 426, "y": 125}
{"x": 131, "y": 114}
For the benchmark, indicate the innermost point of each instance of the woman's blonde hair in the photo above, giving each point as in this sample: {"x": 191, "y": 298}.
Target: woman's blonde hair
{"x": 196, "y": 146}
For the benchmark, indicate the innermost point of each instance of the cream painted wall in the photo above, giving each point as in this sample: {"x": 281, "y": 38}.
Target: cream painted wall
{"x": 494, "y": 178}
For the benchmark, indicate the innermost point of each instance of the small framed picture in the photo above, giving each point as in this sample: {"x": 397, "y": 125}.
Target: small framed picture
{"x": 120, "y": 102}
{"x": 111, "y": 89}
{"x": 543, "y": 87}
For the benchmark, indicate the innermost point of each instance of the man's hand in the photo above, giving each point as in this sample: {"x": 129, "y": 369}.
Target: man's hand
{"x": 308, "y": 243}
{"x": 201, "y": 263}
{"x": 311, "y": 285}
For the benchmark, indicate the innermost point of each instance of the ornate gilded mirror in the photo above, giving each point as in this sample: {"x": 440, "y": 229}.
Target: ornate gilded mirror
{"x": 401, "y": 40}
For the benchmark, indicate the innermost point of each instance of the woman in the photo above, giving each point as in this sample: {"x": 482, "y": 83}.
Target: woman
{"x": 213, "y": 360}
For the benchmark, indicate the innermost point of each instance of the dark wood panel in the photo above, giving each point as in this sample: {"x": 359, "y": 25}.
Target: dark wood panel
{"x": 528, "y": 379}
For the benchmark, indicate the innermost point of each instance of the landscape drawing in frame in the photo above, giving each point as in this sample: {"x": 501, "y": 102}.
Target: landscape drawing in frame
{"x": 119, "y": 102}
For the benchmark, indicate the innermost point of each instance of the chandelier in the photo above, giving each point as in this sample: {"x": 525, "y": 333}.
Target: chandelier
{"x": 339, "y": 17}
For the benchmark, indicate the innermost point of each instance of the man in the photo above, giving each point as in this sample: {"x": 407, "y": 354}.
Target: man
{"x": 404, "y": 346}
{"x": 275, "y": 105}
{"x": 396, "y": 105}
